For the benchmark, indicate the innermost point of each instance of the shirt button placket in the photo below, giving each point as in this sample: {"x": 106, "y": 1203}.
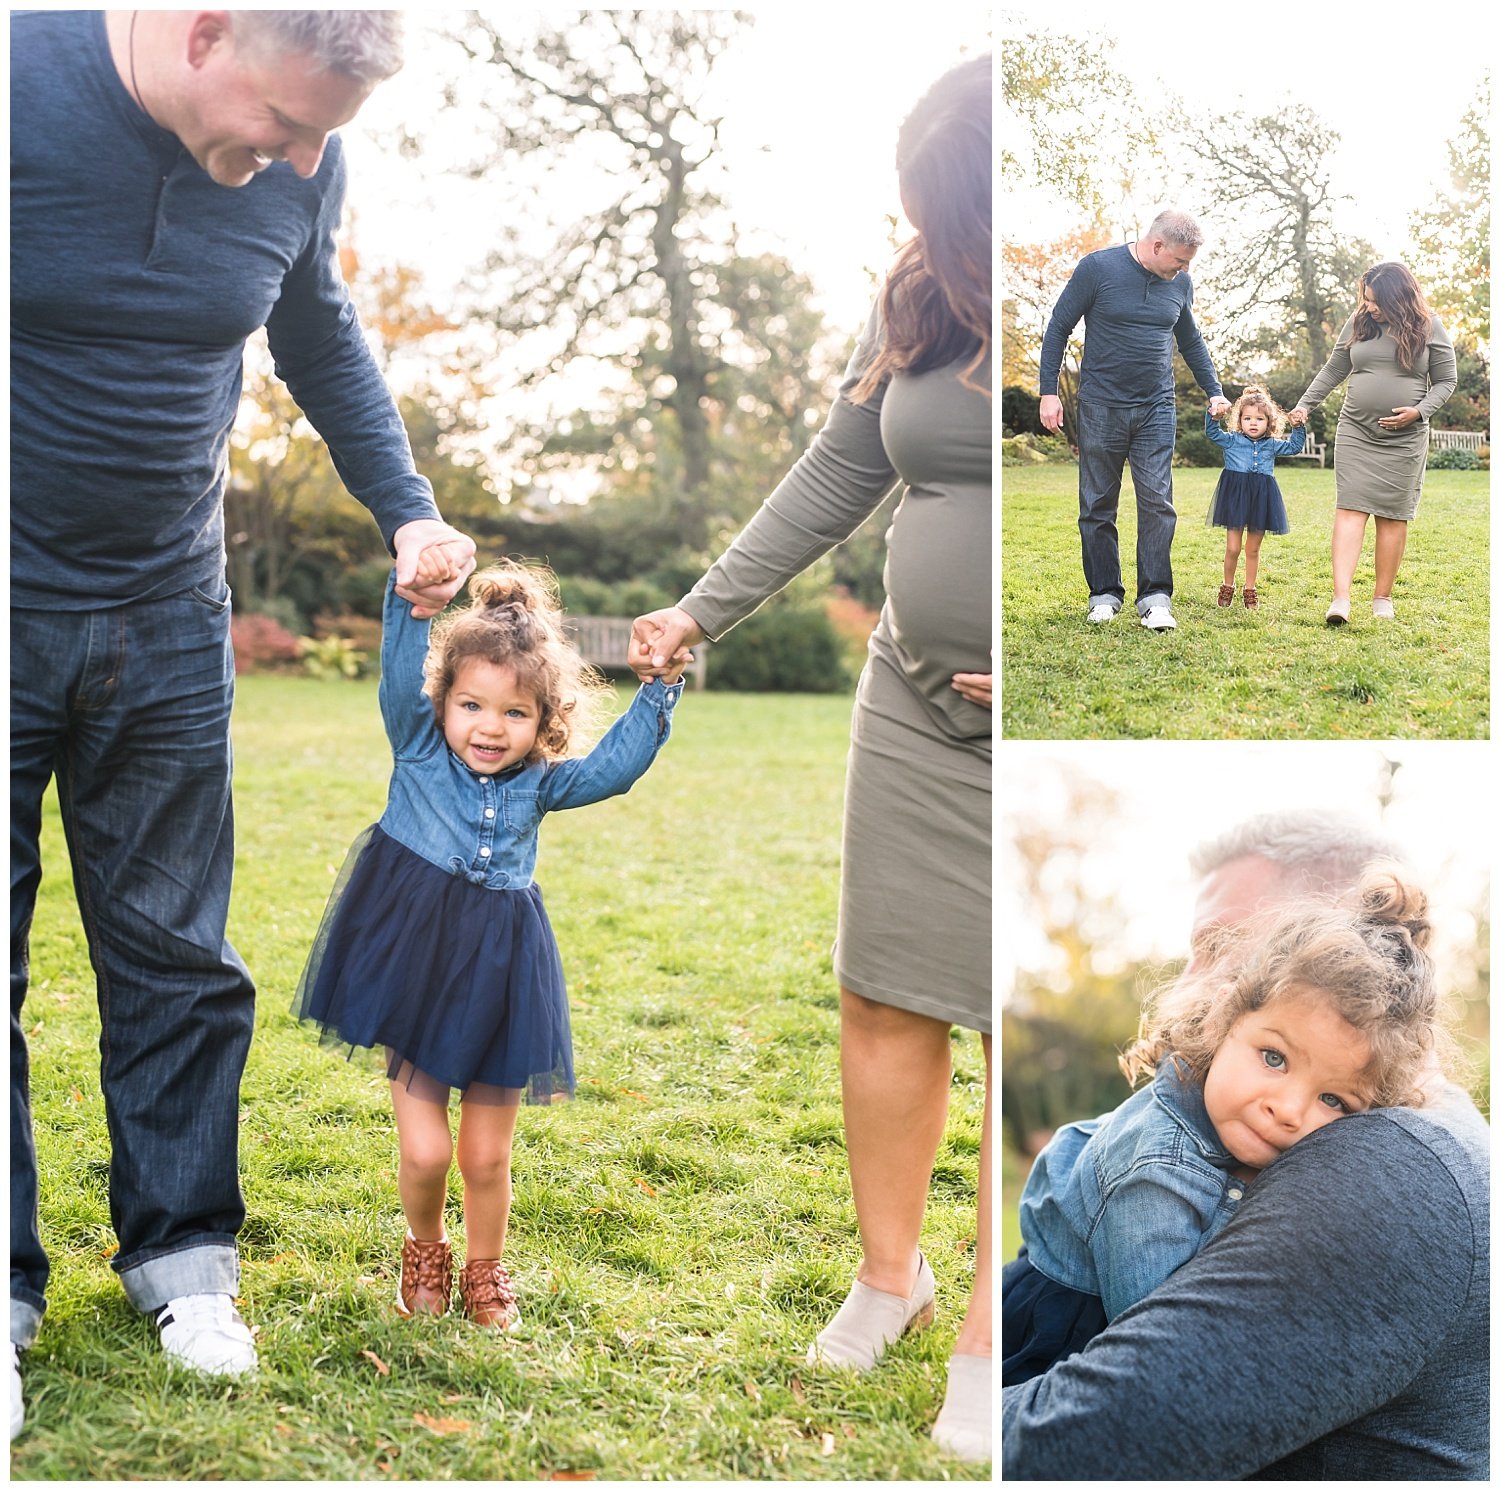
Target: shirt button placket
{"x": 486, "y": 825}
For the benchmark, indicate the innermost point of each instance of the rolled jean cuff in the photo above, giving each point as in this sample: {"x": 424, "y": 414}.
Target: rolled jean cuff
{"x": 1156, "y": 598}
{"x": 1109, "y": 598}
{"x": 25, "y": 1321}
{"x": 204, "y": 1267}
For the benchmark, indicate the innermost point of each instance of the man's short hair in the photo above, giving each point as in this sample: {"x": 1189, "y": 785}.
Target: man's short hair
{"x": 360, "y": 44}
{"x": 1175, "y": 227}
{"x": 1318, "y": 848}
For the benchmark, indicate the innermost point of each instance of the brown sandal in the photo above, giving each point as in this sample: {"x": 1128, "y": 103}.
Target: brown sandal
{"x": 426, "y": 1283}
{"x": 1252, "y": 600}
{"x": 1226, "y": 595}
{"x": 488, "y": 1295}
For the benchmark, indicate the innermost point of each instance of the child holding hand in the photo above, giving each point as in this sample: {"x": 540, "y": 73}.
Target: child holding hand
{"x": 435, "y": 945}
{"x": 1247, "y": 502}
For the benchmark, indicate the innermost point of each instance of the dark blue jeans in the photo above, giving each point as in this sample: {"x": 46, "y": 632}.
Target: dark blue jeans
{"x": 1108, "y": 436}
{"x": 129, "y": 708}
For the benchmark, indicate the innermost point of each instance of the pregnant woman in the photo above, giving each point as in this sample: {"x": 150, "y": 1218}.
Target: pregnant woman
{"x": 1401, "y": 370}
{"x": 913, "y": 954}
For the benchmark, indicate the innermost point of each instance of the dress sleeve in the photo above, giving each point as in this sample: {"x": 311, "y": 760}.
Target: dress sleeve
{"x": 839, "y": 480}
{"x": 410, "y": 725}
{"x": 1349, "y": 1262}
{"x": 1335, "y": 370}
{"x": 321, "y": 354}
{"x": 1442, "y": 370}
{"x": 622, "y": 756}
{"x": 1215, "y": 431}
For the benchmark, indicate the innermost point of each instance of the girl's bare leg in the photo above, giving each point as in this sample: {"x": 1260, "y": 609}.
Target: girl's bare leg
{"x": 1232, "y": 538}
{"x": 1252, "y": 557}
{"x": 426, "y": 1152}
{"x": 486, "y": 1131}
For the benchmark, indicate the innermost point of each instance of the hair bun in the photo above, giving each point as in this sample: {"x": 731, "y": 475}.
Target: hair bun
{"x": 1389, "y": 897}
{"x": 507, "y": 584}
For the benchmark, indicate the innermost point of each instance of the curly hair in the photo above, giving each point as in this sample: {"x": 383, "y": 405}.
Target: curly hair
{"x": 1256, "y": 397}
{"x": 936, "y": 304}
{"x": 1408, "y": 317}
{"x": 514, "y": 620}
{"x": 1366, "y": 957}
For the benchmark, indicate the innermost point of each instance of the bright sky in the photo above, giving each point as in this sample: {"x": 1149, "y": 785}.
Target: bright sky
{"x": 811, "y": 97}
{"x": 1394, "y": 82}
{"x": 1175, "y": 794}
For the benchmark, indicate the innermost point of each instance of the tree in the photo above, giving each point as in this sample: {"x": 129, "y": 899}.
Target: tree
{"x": 1279, "y": 274}
{"x": 1452, "y": 238}
{"x": 640, "y": 283}
{"x": 1064, "y": 102}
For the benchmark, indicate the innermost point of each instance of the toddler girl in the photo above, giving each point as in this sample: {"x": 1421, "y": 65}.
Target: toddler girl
{"x": 1247, "y": 500}
{"x": 1302, "y": 1017}
{"x": 435, "y": 945}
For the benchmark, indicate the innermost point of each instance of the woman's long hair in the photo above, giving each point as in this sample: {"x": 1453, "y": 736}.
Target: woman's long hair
{"x": 1408, "y": 318}
{"x": 936, "y": 304}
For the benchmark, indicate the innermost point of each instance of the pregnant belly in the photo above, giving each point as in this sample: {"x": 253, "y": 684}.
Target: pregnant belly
{"x": 938, "y": 579}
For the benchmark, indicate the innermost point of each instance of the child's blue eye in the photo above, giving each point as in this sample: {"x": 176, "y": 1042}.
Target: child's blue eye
{"x": 1333, "y": 1102}
{"x": 516, "y": 714}
{"x": 1273, "y": 1059}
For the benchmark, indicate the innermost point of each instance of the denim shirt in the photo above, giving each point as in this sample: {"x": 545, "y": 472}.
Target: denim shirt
{"x": 1114, "y": 1205}
{"x": 1241, "y": 453}
{"x": 484, "y": 826}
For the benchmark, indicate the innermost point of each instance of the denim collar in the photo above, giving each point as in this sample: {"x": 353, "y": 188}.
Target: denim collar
{"x": 1182, "y": 1098}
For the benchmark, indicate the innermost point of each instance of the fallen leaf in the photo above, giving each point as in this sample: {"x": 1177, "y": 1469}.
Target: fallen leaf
{"x": 77, "y": 1096}
{"x": 380, "y": 1366}
{"x": 848, "y": 1431}
{"x": 638, "y": 1096}
{"x": 828, "y": 1444}
{"x": 752, "y": 1392}
{"x": 110, "y": 1249}
{"x": 441, "y": 1426}
{"x": 798, "y": 1391}
{"x": 650, "y": 1190}
{"x": 574, "y": 1475}
{"x": 285, "y": 1430}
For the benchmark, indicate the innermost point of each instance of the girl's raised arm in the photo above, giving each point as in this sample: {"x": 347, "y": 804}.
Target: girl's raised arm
{"x": 410, "y": 725}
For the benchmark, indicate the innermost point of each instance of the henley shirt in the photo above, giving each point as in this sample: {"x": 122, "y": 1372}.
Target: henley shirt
{"x": 135, "y": 281}
{"x": 1131, "y": 318}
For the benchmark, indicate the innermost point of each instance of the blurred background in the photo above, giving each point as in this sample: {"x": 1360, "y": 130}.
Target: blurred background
{"x": 1096, "y": 897}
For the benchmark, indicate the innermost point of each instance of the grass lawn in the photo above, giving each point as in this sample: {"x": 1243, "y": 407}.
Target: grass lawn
{"x": 1274, "y": 674}
{"x": 680, "y": 1230}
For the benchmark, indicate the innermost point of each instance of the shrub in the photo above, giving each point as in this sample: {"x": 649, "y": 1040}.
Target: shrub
{"x": 261, "y": 644}
{"x": 331, "y": 657}
{"x": 786, "y": 647}
{"x": 1020, "y": 411}
{"x": 1034, "y": 450}
{"x": 362, "y": 631}
{"x": 1452, "y": 460}
{"x": 1194, "y": 448}
{"x": 583, "y": 595}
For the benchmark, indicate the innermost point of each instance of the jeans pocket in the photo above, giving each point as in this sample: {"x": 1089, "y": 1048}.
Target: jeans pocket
{"x": 219, "y": 603}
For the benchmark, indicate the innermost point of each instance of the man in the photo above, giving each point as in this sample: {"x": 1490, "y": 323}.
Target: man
{"x": 1338, "y": 1327}
{"x": 175, "y": 184}
{"x": 1135, "y": 300}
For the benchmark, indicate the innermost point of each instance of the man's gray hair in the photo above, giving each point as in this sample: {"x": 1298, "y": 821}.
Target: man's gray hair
{"x": 1175, "y": 227}
{"x": 1320, "y": 848}
{"x": 360, "y": 44}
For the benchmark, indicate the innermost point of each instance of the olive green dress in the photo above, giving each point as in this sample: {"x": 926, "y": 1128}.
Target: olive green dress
{"x": 914, "y": 903}
{"x": 1376, "y": 470}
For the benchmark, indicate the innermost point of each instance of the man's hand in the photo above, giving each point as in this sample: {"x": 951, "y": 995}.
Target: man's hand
{"x": 976, "y": 688}
{"x": 1218, "y": 405}
{"x": 432, "y": 561}
{"x": 659, "y": 643}
{"x": 1051, "y": 412}
{"x": 1399, "y": 417}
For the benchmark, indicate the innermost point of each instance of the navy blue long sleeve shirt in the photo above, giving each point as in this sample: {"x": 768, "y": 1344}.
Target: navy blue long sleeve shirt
{"x": 1131, "y": 319}
{"x": 1338, "y": 1328}
{"x": 135, "y": 281}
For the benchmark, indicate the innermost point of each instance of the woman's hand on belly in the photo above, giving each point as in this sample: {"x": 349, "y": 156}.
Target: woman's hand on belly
{"x": 976, "y": 688}
{"x": 1399, "y": 417}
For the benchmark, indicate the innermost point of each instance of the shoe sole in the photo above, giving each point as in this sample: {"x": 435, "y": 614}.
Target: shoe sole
{"x": 1335, "y": 621}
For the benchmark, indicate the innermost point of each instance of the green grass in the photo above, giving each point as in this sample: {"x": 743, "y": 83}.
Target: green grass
{"x": 680, "y": 1230}
{"x": 1277, "y": 673}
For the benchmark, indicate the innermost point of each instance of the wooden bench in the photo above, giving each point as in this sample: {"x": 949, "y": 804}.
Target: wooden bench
{"x": 1458, "y": 439}
{"x": 604, "y": 641}
{"x": 1312, "y": 450}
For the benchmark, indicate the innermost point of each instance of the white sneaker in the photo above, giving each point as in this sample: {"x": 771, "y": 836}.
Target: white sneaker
{"x": 17, "y": 1403}
{"x": 1102, "y": 612}
{"x": 205, "y": 1332}
{"x": 1159, "y": 619}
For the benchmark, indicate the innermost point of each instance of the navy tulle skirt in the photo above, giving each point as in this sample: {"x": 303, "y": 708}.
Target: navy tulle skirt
{"x": 460, "y": 982}
{"x": 1041, "y": 1321}
{"x": 1248, "y": 499}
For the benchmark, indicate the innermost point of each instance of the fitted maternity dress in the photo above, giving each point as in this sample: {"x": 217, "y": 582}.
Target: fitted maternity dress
{"x": 1376, "y": 470}
{"x": 914, "y": 904}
